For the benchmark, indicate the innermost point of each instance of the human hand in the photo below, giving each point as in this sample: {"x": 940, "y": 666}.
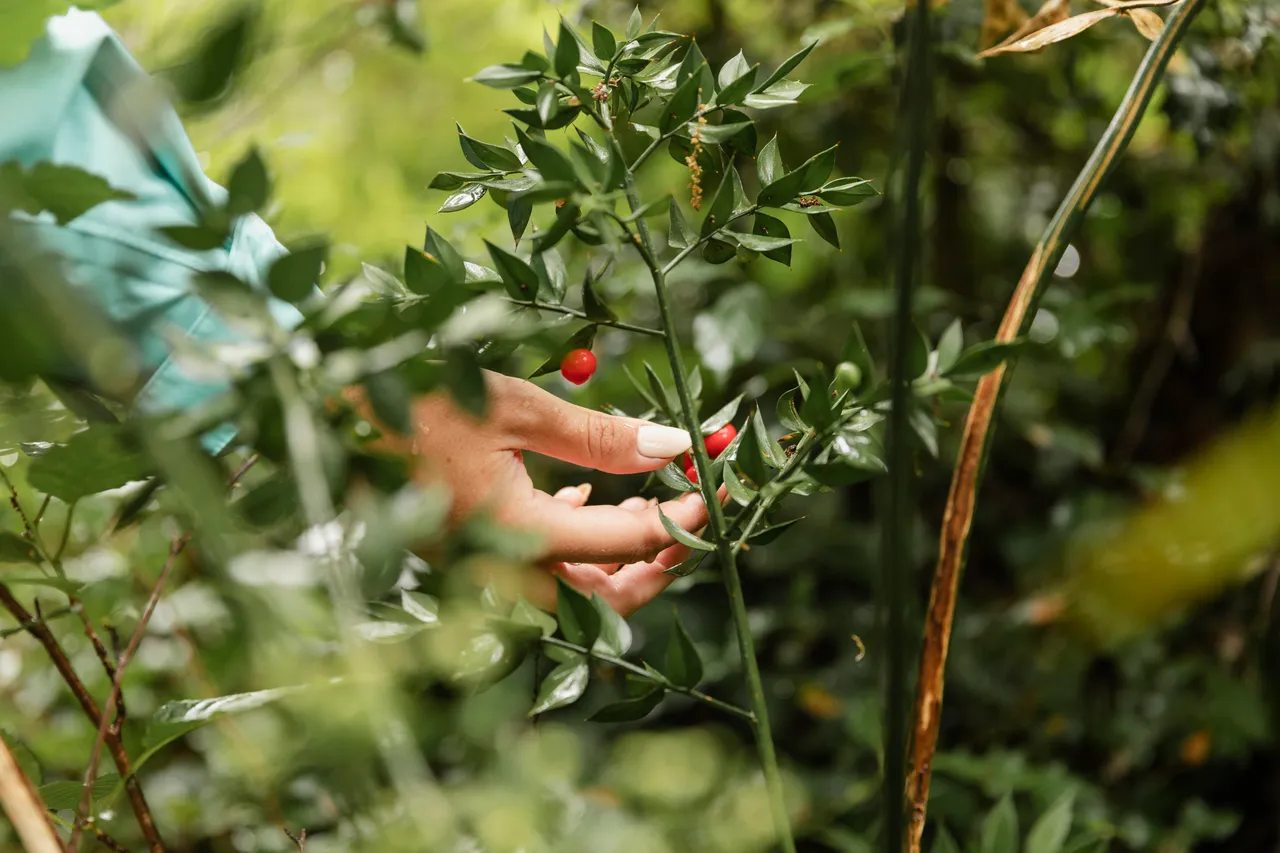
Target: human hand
{"x": 619, "y": 551}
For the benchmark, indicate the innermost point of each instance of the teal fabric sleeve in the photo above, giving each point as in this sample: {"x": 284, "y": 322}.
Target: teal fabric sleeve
{"x": 65, "y": 105}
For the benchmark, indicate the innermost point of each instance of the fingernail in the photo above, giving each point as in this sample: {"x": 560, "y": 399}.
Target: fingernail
{"x": 661, "y": 442}
{"x": 652, "y": 502}
{"x": 585, "y": 488}
{"x": 565, "y": 494}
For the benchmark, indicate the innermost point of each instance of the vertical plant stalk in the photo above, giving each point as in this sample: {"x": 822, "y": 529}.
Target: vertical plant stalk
{"x": 957, "y": 518}
{"x": 23, "y": 806}
{"x": 719, "y": 530}
{"x": 916, "y": 107}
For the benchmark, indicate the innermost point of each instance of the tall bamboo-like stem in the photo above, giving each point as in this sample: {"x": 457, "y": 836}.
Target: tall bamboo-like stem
{"x": 916, "y": 106}
{"x": 975, "y": 443}
{"x": 718, "y": 528}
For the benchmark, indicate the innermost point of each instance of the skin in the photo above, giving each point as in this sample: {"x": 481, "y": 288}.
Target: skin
{"x": 620, "y": 552}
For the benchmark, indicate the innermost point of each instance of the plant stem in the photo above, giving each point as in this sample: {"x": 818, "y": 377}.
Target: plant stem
{"x": 916, "y": 104}
{"x": 760, "y": 504}
{"x": 702, "y": 241}
{"x": 957, "y": 517}
{"x": 719, "y": 532}
{"x": 656, "y": 678}
{"x": 653, "y": 146}
{"x": 573, "y": 312}
{"x": 22, "y": 804}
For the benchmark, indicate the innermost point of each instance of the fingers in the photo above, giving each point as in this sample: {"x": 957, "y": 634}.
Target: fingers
{"x": 635, "y": 585}
{"x": 611, "y": 534}
{"x": 543, "y": 423}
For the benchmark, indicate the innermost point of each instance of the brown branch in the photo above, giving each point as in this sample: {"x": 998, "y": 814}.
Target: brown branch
{"x": 957, "y": 519}
{"x": 39, "y": 630}
{"x": 24, "y": 807}
{"x": 105, "y": 840}
{"x": 113, "y": 700}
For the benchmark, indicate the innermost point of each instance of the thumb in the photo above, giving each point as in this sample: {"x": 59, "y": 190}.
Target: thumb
{"x": 554, "y": 427}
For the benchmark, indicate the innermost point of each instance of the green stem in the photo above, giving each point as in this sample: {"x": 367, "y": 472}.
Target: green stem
{"x": 573, "y": 312}
{"x": 655, "y": 677}
{"x": 916, "y": 104}
{"x": 761, "y": 504}
{"x": 718, "y": 528}
{"x": 653, "y": 146}
{"x": 702, "y": 241}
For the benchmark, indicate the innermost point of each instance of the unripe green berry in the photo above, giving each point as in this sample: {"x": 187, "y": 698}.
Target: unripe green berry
{"x": 848, "y": 376}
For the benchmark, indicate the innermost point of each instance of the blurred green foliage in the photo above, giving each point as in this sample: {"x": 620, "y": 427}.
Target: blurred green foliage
{"x": 1160, "y": 332}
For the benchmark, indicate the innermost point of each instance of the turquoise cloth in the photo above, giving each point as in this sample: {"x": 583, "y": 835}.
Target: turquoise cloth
{"x": 64, "y": 105}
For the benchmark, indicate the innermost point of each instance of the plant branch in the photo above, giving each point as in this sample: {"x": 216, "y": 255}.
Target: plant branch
{"x": 896, "y": 521}
{"x": 957, "y": 518}
{"x": 702, "y": 241}
{"x": 653, "y": 146}
{"x": 113, "y": 700}
{"x": 23, "y": 806}
{"x": 653, "y": 676}
{"x": 717, "y": 526}
{"x": 573, "y": 312}
{"x": 761, "y": 504}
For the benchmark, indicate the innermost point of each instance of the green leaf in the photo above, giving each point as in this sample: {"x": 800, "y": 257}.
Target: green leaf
{"x": 672, "y": 476}
{"x": 64, "y": 585}
{"x": 781, "y": 94}
{"x": 584, "y": 338}
{"x": 856, "y": 351}
{"x": 294, "y": 277}
{"x": 548, "y": 102}
{"x": 758, "y": 243}
{"x": 519, "y": 211}
{"x": 683, "y": 664}
{"x": 817, "y": 407}
{"x": 482, "y": 155}
{"x": 602, "y": 41}
{"x": 999, "y": 832}
{"x": 218, "y": 56}
{"x": 949, "y": 346}
{"x": 629, "y": 710}
{"x": 634, "y": 23}
{"x": 826, "y": 228}
{"x": 506, "y": 76}
{"x": 765, "y": 225}
{"x": 465, "y": 381}
{"x": 722, "y": 416}
{"x": 788, "y": 65}
{"x": 552, "y": 275}
{"x": 983, "y": 358}
{"x": 818, "y": 168}
{"x": 766, "y": 535}
{"x": 579, "y": 619}
{"x": 1049, "y": 832}
{"x": 520, "y": 279}
{"x": 92, "y": 461}
{"x": 923, "y": 426}
{"x": 62, "y": 796}
{"x": 423, "y": 274}
{"x": 422, "y": 607}
{"x": 749, "y": 458}
{"x": 592, "y": 305}
{"x": 721, "y": 208}
{"x": 462, "y": 199}
{"x": 65, "y": 191}
{"x": 736, "y": 90}
{"x": 249, "y": 187}
{"x": 769, "y": 448}
{"x": 567, "y": 53}
{"x": 16, "y": 549}
{"x": 615, "y": 633}
{"x": 487, "y": 657}
{"x": 846, "y": 192}
{"x": 715, "y": 134}
{"x": 769, "y": 166}
{"x": 739, "y": 491}
{"x": 529, "y": 614}
{"x": 678, "y": 234}
{"x": 391, "y": 399}
{"x": 917, "y": 353}
{"x": 682, "y": 105}
{"x": 563, "y": 686}
{"x": 198, "y": 238}
{"x": 944, "y": 843}
{"x": 732, "y": 70}
{"x": 550, "y": 161}
{"x": 683, "y": 536}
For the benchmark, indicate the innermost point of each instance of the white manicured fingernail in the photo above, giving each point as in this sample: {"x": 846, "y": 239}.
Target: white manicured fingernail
{"x": 568, "y": 493}
{"x": 585, "y": 490}
{"x": 661, "y": 442}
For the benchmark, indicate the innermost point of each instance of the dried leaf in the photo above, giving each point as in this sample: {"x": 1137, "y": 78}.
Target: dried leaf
{"x": 999, "y": 17}
{"x": 1053, "y": 33}
{"x": 1148, "y": 23}
{"x": 1052, "y": 12}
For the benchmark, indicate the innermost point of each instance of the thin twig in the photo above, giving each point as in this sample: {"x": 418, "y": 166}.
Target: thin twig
{"x": 300, "y": 839}
{"x": 103, "y": 838}
{"x": 113, "y": 700}
{"x": 573, "y": 312}
{"x": 957, "y": 518}
{"x": 650, "y": 675}
{"x": 22, "y": 627}
{"x": 23, "y": 806}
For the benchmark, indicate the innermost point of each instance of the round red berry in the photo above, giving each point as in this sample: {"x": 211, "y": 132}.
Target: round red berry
{"x": 720, "y": 439}
{"x": 578, "y": 366}
{"x": 692, "y": 473}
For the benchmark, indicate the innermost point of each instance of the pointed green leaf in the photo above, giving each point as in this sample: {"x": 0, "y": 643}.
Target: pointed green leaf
{"x": 567, "y": 53}
{"x": 846, "y": 192}
{"x": 483, "y": 155}
{"x": 520, "y": 278}
{"x": 16, "y": 549}
{"x": 661, "y": 397}
{"x": 944, "y": 843}
{"x": 422, "y": 607}
{"x": 1000, "y": 829}
{"x": 294, "y": 276}
{"x": 788, "y": 65}
{"x": 949, "y": 347}
{"x": 602, "y": 41}
{"x": 721, "y": 208}
{"x": 683, "y": 664}
{"x": 723, "y": 415}
{"x": 563, "y": 686}
{"x": 765, "y": 535}
{"x": 65, "y": 191}
{"x": 634, "y": 23}
{"x": 764, "y": 245}
{"x": 678, "y": 234}
{"x": 739, "y": 492}
{"x": 825, "y": 225}
{"x": 672, "y": 476}
{"x": 506, "y": 76}
{"x": 983, "y": 358}
{"x": 683, "y": 536}
{"x": 1049, "y": 833}
{"x": 769, "y": 166}
{"x": 592, "y": 305}
{"x": 629, "y": 710}
{"x": 463, "y": 198}
{"x": 579, "y": 619}
{"x": 615, "y": 633}
{"x": 773, "y": 228}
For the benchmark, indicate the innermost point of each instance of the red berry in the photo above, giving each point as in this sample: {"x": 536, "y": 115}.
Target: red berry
{"x": 720, "y": 439}
{"x": 692, "y": 473}
{"x": 578, "y": 366}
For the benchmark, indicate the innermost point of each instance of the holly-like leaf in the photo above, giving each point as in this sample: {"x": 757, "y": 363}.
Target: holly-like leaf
{"x": 682, "y": 665}
{"x": 563, "y": 686}
{"x": 579, "y": 618}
